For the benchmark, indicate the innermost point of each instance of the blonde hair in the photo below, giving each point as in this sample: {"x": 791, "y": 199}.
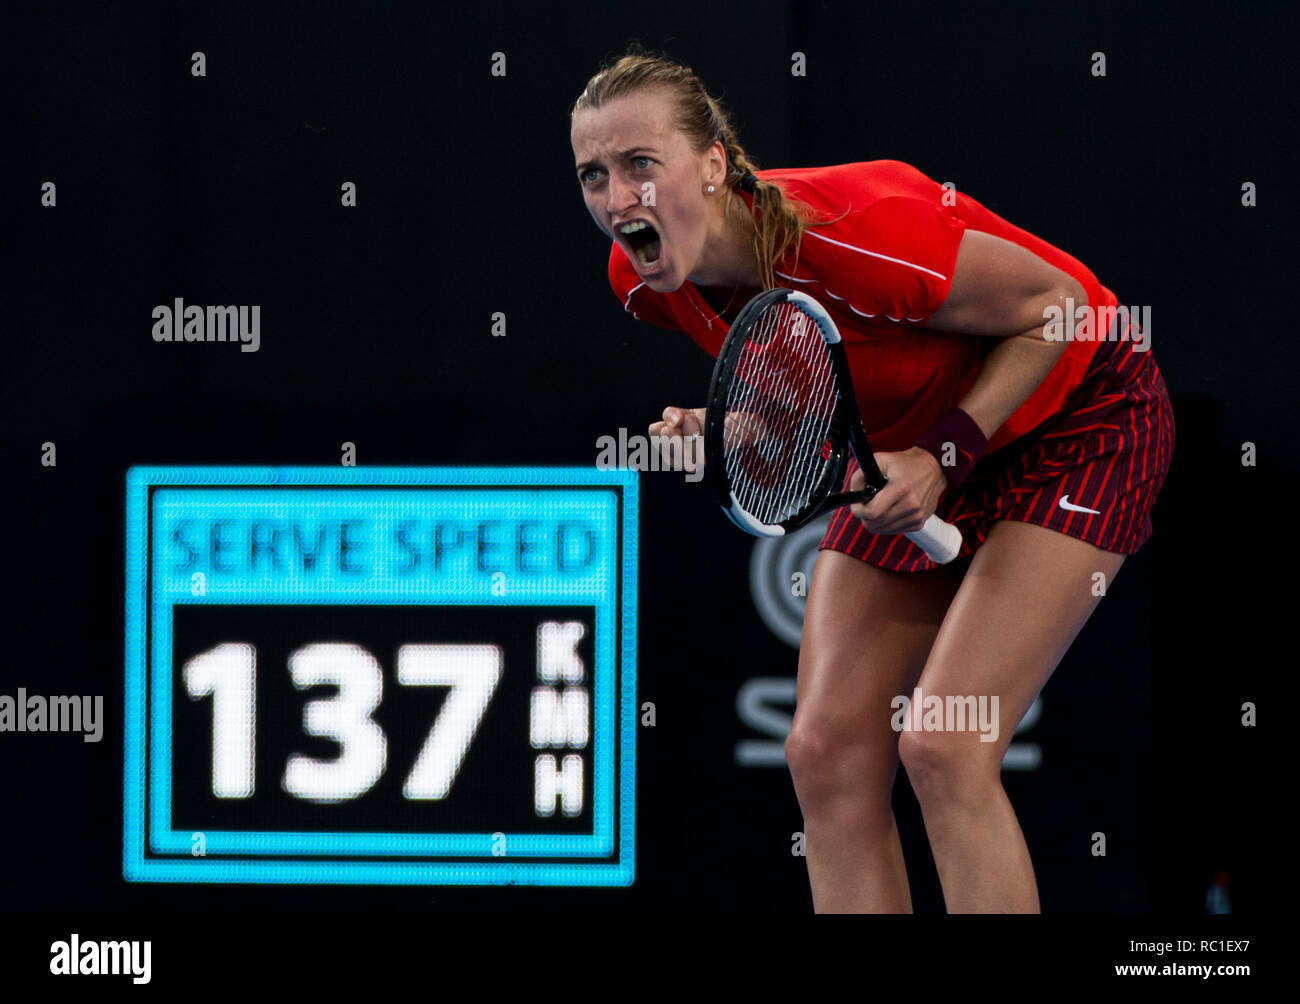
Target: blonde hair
{"x": 779, "y": 220}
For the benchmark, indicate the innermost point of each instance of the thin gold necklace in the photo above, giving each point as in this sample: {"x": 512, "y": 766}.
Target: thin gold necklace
{"x": 717, "y": 315}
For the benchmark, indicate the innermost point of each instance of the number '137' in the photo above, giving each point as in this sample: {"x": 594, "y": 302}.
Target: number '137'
{"x": 228, "y": 674}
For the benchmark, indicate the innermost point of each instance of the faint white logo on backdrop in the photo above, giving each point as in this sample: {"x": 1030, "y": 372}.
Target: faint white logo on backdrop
{"x": 780, "y": 572}
{"x": 773, "y": 567}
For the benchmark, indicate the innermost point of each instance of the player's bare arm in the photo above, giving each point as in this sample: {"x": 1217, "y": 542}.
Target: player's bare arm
{"x": 999, "y": 290}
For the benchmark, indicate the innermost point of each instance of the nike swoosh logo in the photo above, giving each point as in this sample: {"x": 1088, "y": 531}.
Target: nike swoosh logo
{"x": 1064, "y": 503}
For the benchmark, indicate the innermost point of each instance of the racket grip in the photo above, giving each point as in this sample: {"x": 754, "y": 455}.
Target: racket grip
{"x": 940, "y": 540}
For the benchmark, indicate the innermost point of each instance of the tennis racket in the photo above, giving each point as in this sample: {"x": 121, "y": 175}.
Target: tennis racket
{"x": 782, "y": 419}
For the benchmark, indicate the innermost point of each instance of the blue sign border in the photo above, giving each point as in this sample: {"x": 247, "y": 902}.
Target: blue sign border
{"x": 148, "y": 703}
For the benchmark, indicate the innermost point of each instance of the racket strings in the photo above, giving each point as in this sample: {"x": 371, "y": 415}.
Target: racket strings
{"x": 779, "y": 411}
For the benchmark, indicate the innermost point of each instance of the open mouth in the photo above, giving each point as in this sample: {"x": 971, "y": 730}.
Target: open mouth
{"x": 643, "y": 239}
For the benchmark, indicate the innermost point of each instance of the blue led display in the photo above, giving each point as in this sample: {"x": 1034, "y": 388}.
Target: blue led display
{"x": 380, "y": 675}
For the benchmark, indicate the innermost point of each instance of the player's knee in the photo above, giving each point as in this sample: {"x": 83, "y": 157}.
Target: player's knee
{"x": 827, "y": 760}
{"x": 807, "y": 749}
{"x": 946, "y": 765}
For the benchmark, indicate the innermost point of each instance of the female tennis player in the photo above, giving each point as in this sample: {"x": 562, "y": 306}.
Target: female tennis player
{"x": 1045, "y": 447}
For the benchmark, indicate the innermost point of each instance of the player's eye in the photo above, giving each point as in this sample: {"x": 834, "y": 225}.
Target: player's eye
{"x": 589, "y": 175}
{"x": 636, "y": 162}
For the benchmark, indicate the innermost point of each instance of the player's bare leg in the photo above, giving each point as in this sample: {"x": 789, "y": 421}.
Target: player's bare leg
{"x": 866, "y": 634}
{"x": 1026, "y": 595}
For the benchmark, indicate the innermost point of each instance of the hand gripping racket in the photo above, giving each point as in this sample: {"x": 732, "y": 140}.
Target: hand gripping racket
{"x": 782, "y": 419}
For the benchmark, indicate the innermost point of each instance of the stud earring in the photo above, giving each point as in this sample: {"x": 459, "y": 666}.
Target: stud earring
{"x": 709, "y": 189}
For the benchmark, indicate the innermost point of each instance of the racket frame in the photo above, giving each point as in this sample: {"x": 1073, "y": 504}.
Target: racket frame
{"x": 846, "y": 431}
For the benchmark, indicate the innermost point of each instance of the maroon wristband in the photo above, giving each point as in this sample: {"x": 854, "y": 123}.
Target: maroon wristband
{"x": 968, "y": 444}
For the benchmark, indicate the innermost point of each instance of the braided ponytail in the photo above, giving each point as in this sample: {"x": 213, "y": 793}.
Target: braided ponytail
{"x": 779, "y": 221}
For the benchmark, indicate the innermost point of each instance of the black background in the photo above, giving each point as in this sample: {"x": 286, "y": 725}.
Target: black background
{"x": 376, "y": 330}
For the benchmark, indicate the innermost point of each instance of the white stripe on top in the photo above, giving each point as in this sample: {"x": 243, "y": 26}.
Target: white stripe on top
{"x": 876, "y": 254}
{"x": 627, "y": 304}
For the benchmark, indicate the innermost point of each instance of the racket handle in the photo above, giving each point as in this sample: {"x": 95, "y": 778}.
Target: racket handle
{"x": 940, "y": 540}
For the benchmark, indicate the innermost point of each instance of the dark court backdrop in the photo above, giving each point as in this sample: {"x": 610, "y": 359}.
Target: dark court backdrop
{"x": 377, "y": 330}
